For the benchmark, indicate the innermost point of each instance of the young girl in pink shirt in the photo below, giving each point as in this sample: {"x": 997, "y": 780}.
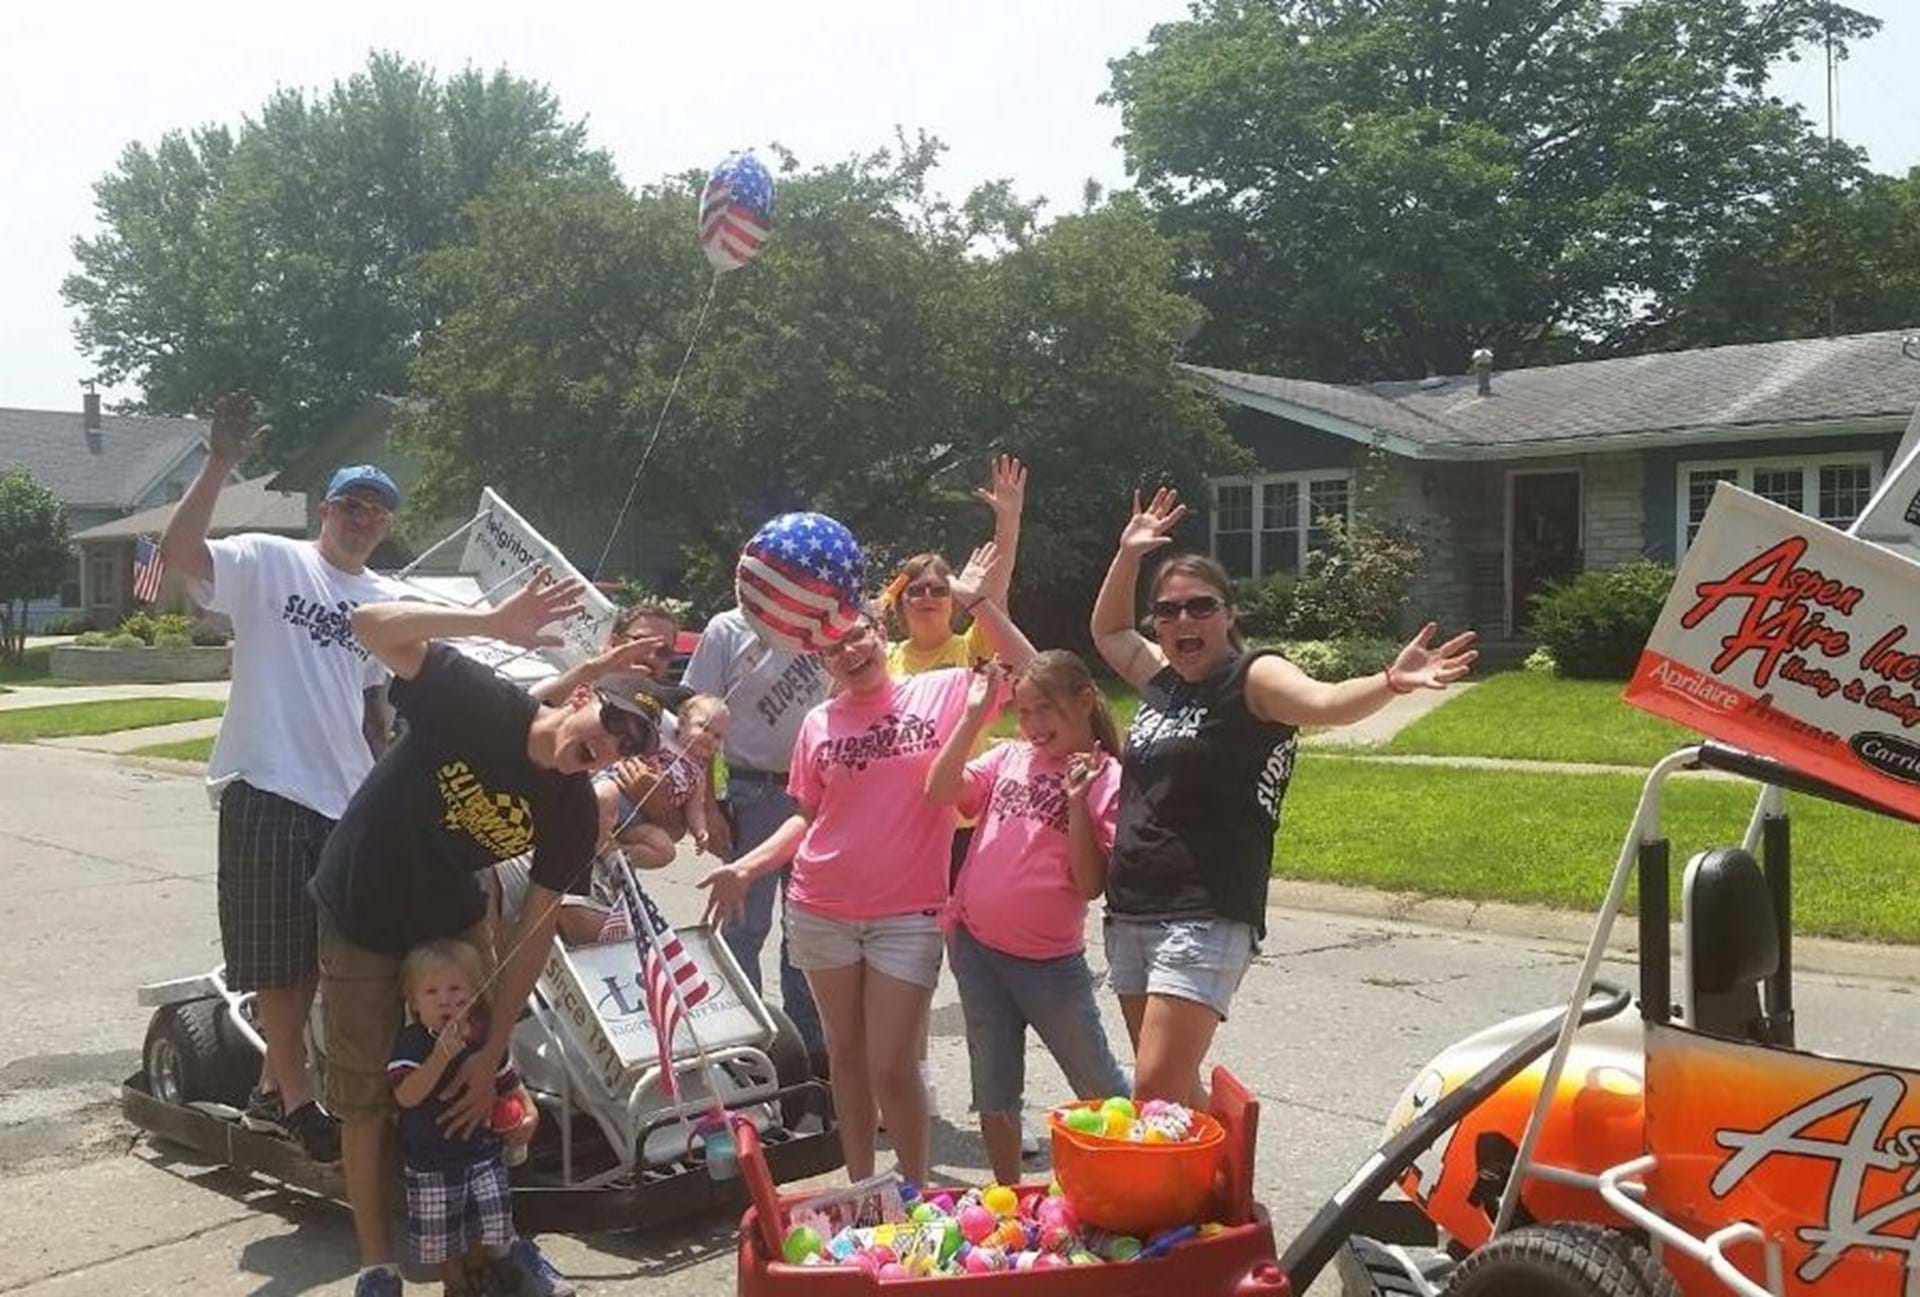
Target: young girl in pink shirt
{"x": 1016, "y": 922}
{"x": 870, "y": 860}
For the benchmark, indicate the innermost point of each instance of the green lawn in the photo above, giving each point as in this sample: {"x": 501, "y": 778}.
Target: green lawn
{"x": 1552, "y": 839}
{"x": 1533, "y": 717}
{"x": 198, "y": 751}
{"x": 25, "y": 724}
{"x": 32, "y": 670}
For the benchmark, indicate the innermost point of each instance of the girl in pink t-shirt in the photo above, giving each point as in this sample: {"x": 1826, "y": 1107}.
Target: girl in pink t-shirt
{"x": 870, "y": 860}
{"x": 1017, "y": 918}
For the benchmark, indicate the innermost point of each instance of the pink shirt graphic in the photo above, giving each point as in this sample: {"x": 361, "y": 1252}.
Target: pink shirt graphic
{"x": 875, "y": 846}
{"x": 1016, "y": 892}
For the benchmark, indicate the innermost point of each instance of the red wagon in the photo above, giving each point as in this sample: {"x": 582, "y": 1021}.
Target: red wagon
{"x": 1237, "y": 1261}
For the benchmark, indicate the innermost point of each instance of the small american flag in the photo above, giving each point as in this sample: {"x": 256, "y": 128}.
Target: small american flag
{"x": 147, "y": 569}
{"x": 736, "y": 211}
{"x": 799, "y": 581}
{"x": 673, "y": 981}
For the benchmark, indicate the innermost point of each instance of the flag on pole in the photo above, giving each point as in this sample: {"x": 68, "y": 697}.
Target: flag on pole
{"x": 672, "y": 980}
{"x": 147, "y": 569}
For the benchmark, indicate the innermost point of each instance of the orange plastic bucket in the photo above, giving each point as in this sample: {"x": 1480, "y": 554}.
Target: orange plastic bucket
{"x": 1136, "y": 1188}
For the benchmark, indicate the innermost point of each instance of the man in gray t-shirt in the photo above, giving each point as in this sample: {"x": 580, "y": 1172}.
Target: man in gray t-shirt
{"x": 768, "y": 691}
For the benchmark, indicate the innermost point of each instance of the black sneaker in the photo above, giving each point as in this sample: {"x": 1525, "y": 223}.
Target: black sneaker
{"x": 263, "y": 1114}
{"x": 317, "y": 1132}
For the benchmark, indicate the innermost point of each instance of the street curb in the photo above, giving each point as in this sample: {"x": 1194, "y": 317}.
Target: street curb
{"x": 1871, "y": 961}
{"x": 159, "y": 765}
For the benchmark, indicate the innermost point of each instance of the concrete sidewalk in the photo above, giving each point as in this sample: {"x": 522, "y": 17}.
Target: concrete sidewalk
{"x": 1384, "y": 724}
{"x": 129, "y": 740}
{"x": 54, "y": 696}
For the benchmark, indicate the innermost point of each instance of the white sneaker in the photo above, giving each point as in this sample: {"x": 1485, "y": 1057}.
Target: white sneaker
{"x": 1029, "y": 1139}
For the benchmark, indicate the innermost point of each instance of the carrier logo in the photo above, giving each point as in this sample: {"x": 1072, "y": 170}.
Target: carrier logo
{"x": 1702, "y": 689}
{"x": 1890, "y": 754}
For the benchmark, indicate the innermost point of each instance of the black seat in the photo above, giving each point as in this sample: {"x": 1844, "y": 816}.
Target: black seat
{"x": 1730, "y": 945}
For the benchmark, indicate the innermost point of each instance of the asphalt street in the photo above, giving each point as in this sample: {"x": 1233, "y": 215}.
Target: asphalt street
{"x": 110, "y": 883}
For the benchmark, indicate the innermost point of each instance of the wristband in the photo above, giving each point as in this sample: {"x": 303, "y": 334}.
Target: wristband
{"x": 968, "y": 608}
{"x": 1392, "y": 687}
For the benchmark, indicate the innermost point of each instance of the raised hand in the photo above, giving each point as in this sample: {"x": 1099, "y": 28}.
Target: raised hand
{"x": 542, "y": 601}
{"x": 1082, "y": 769}
{"x": 234, "y": 434}
{"x": 625, "y": 656}
{"x": 1007, "y": 495}
{"x": 1152, "y": 527}
{"x": 987, "y": 690}
{"x": 1421, "y": 666}
{"x": 977, "y": 575}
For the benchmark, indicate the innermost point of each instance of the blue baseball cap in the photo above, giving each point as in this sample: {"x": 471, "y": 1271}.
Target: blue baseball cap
{"x": 367, "y": 477}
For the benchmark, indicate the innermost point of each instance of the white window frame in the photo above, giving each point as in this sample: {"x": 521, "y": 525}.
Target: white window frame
{"x": 1303, "y": 482}
{"x": 1743, "y": 470}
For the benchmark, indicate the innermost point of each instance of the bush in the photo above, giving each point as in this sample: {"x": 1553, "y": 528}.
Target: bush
{"x": 1340, "y": 659}
{"x": 172, "y": 639}
{"x": 148, "y": 627}
{"x": 1357, "y": 583}
{"x": 209, "y": 636}
{"x": 90, "y": 639}
{"x": 1541, "y": 662}
{"x": 1595, "y": 624}
{"x": 140, "y": 625}
{"x": 123, "y": 640}
{"x": 73, "y": 625}
{"x": 1263, "y": 607}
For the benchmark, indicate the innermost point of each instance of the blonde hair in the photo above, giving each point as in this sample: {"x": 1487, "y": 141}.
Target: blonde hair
{"x": 1062, "y": 676}
{"x": 447, "y": 952}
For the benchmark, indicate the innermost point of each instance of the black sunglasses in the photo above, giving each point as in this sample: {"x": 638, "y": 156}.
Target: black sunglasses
{"x": 1198, "y": 608}
{"x": 929, "y": 590}
{"x": 636, "y": 734}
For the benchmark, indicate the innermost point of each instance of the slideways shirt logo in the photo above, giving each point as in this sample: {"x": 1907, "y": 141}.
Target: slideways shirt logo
{"x": 1042, "y": 798}
{"x": 327, "y": 627}
{"x": 502, "y": 823}
{"x": 889, "y": 737}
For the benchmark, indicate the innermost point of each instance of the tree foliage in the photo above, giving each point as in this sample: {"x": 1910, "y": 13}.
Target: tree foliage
{"x": 1373, "y": 188}
{"x": 280, "y": 256}
{"x": 868, "y": 364}
{"x": 34, "y": 550}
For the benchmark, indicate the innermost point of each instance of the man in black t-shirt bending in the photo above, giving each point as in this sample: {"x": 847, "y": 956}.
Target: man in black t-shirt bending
{"x": 483, "y": 773}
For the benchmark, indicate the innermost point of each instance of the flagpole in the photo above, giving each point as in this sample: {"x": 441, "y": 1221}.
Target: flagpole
{"x": 641, "y": 915}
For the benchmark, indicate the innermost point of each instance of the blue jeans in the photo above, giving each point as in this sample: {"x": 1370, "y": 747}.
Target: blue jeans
{"x": 1001, "y": 995}
{"x": 759, "y": 807}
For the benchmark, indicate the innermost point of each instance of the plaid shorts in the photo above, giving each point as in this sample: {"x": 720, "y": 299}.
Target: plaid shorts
{"x": 269, "y": 847}
{"x": 449, "y": 1212}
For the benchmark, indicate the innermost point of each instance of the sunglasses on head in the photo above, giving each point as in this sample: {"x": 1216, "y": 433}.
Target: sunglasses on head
{"x": 636, "y": 735}
{"x": 929, "y": 590}
{"x": 1198, "y": 608}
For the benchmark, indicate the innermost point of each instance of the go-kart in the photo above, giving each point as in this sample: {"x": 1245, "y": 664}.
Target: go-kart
{"x": 613, "y": 1151}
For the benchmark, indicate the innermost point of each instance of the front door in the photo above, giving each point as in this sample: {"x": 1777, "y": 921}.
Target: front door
{"x": 1543, "y": 537}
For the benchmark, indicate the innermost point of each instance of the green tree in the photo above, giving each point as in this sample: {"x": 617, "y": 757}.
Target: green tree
{"x": 34, "y": 550}
{"x": 867, "y": 364}
{"x": 1373, "y": 188}
{"x": 279, "y": 256}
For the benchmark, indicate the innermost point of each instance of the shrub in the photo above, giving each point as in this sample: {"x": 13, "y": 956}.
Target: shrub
{"x": 1541, "y": 662}
{"x": 122, "y": 640}
{"x": 1595, "y": 624}
{"x": 1357, "y": 583}
{"x": 1263, "y": 607}
{"x": 140, "y": 625}
{"x": 207, "y": 635}
{"x": 1340, "y": 659}
{"x": 172, "y": 639}
{"x": 172, "y": 623}
{"x": 90, "y": 639}
{"x": 73, "y": 625}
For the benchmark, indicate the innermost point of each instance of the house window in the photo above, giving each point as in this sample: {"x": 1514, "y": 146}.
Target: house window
{"x": 1269, "y": 524}
{"x": 1832, "y": 488}
{"x": 70, "y": 583}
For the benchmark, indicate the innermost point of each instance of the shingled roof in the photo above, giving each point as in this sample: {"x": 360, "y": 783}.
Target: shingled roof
{"x": 1860, "y": 382}
{"x": 242, "y": 506}
{"x": 110, "y": 471}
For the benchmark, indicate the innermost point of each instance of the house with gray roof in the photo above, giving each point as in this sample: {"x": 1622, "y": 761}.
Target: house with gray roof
{"x": 1515, "y": 479}
{"x": 102, "y": 467}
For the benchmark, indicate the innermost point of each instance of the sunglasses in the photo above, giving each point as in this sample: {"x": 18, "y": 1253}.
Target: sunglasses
{"x": 363, "y": 510}
{"x": 929, "y": 590}
{"x": 1198, "y": 608}
{"x": 636, "y": 735}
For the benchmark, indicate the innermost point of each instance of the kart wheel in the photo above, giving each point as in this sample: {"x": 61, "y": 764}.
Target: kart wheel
{"x": 189, "y": 1058}
{"x": 1562, "y": 1261}
{"x": 788, "y": 1053}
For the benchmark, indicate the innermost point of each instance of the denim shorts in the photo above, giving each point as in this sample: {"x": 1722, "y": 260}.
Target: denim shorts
{"x": 1002, "y": 995}
{"x": 903, "y": 946}
{"x": 1189, "y": 959}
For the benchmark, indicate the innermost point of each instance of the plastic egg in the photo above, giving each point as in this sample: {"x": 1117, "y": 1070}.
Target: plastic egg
{"x": 922, "y": 1212}
{"x": 1087, "y": 1121}
{"x": 1116, "y": 1123}
{"x": 1120, "y": 1104}
{"x": 1080, "y": 1256}
{"x": 802, "y": 1241}
{"x": 893, "y": 1271}
{"x": 1124, "y": 1248}
{"x": 1049, "y": 1261}
{"x": 976, "y": 1223}
{"x": 943, "y": 1203}
{"x": 1025, "y": 1260}
{"x": 1154, "y": 1135}
{"x": 1000, "y": 1200}
{"x": 1211, "y": 1228}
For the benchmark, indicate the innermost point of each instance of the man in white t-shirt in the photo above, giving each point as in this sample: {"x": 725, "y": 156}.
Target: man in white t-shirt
{"x": 304, "y": 722}
{"x": 768, "y": 691}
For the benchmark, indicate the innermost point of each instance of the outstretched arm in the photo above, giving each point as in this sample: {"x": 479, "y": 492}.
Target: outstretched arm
{"x": 1279, "y": 691}
{"x": 183, "y": 545}
{"x": 1007, "y": 497}
{"x": 971, "y": 589}
{"x": 947, "y": 777}
{"x": 398, "y": 633}
{"x": 620, "y": 657}
{"x": 1132, "y": 656}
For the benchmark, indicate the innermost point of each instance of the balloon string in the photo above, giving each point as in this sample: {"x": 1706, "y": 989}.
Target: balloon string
{"x": 659, "y": 423}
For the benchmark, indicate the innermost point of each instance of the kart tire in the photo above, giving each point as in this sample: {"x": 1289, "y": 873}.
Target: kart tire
{"x": 1562, "y": 1261}
{"x": 788, "y": 1053}
{"x": 191, "y": 1055}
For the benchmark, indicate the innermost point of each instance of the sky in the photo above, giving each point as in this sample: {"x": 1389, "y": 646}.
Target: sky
{"x": 1009, "y": 85}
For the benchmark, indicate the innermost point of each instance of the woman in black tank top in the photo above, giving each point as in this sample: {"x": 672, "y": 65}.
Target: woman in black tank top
{"x": 1207, "y": 762}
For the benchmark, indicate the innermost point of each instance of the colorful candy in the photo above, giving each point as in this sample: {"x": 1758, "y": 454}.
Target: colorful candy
{"x": 801, "y": 1242}
{"x": 1000, "y": 1200}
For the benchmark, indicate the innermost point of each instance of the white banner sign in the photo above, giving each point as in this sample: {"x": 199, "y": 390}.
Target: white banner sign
{"x": 502, "y": 551}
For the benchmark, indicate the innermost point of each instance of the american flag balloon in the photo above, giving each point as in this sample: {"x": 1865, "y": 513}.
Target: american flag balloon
{"x": 799, "y": 582}
{"x": 736, "y": 211}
